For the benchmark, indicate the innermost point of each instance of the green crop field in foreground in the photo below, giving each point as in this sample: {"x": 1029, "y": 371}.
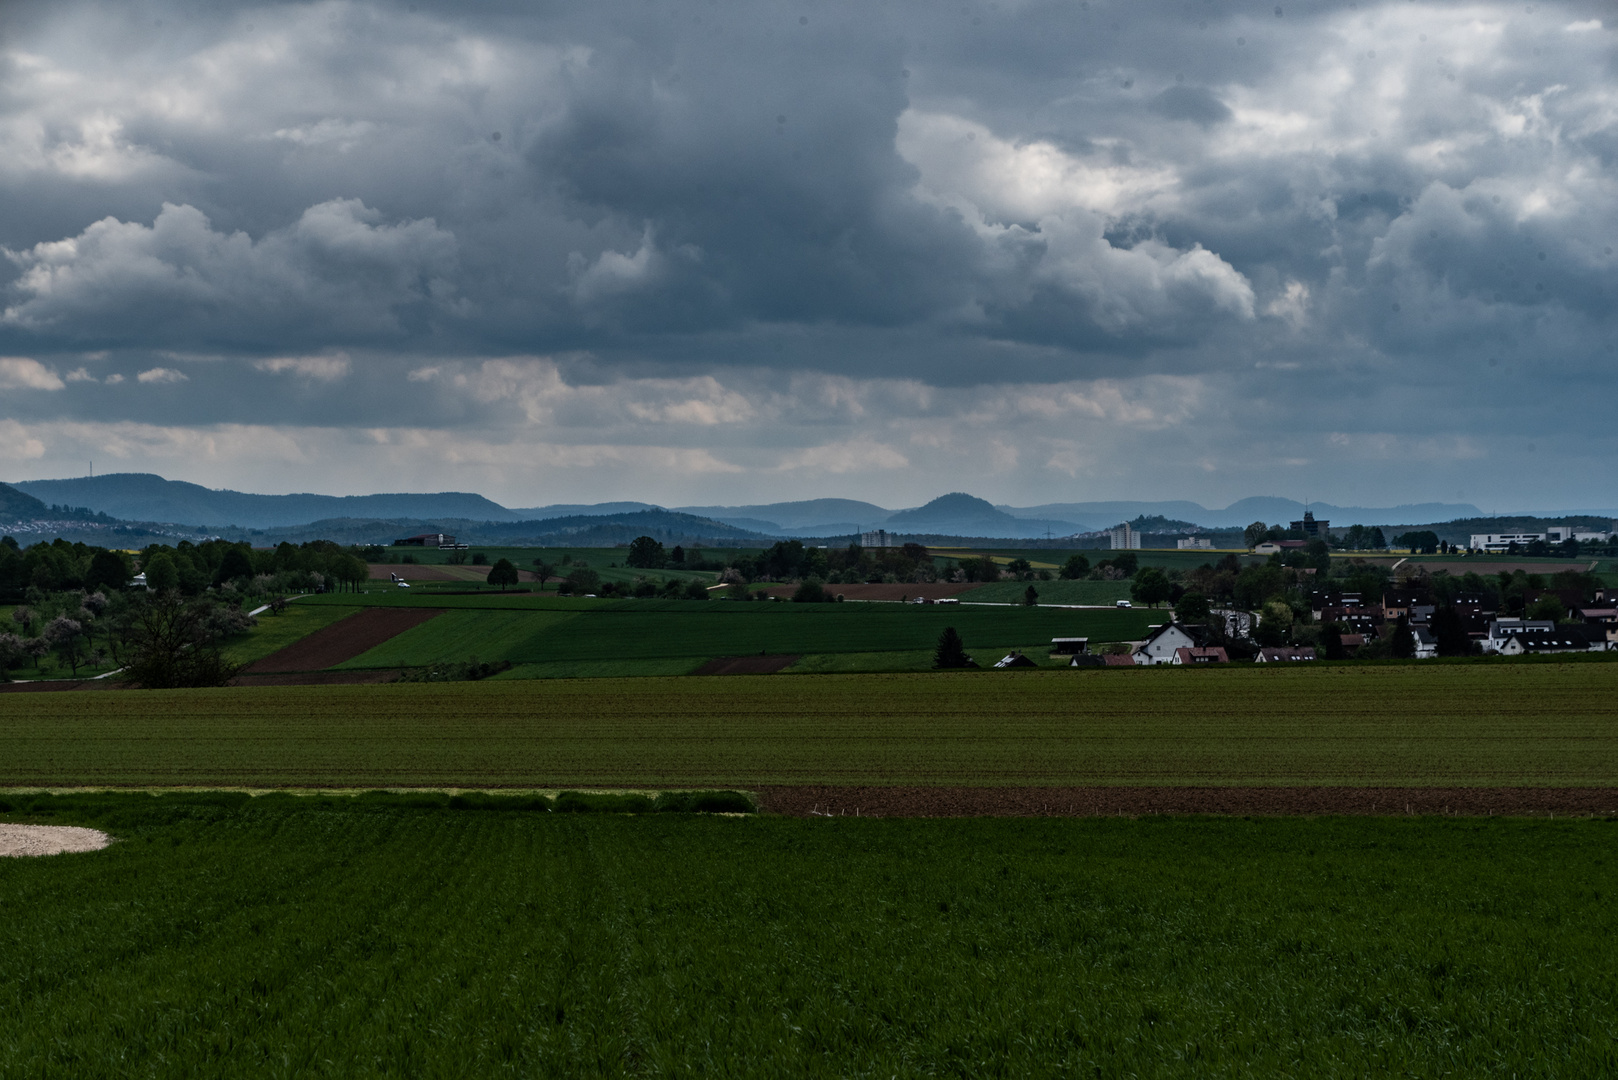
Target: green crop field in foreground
{"x": 281, "y": 936}
{"x": 1538, "y": 724}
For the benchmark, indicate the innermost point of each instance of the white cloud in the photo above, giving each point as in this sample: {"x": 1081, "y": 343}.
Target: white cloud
{"x": 81, "y": 375}
{"x": 339, "y": 268}
{"x": 326, "y": 368}
{"x": 25, "y": 373}
{"x": 17, "y": 443}
{"x": 161, "y": 375}
{"x": 114, "y": 379}
{"x": 1045, "y": 212}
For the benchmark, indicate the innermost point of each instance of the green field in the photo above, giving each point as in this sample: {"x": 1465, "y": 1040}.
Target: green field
{"x": 535, "y": 631}
{"x": 1462, "y": 725}
{"x": 280, "y": 936}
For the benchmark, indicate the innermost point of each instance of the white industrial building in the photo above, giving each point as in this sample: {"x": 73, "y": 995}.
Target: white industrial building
{"x": 1124, "y": 537}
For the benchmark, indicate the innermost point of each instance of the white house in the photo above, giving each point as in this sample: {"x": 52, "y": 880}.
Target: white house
{"x": 1160, "y": 644}
{"x": 1426, "y": 643}
{"x": 1197, "y": 543}
{"x": 1576, "y": 638}
{"x": 1502, "y": 630}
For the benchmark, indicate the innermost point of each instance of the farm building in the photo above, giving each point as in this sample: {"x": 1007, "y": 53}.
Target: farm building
{"x": 1069, "y": 646}
{"x": 1014, "y": 660}
{"x": 1198, "y": 655}
{"x": 437, "y": 540}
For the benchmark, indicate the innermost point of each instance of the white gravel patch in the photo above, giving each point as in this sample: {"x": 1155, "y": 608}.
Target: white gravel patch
{"x": 49, "y": 839}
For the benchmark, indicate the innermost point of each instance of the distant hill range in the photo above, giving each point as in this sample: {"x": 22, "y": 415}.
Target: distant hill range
{"x": 148, "y": 497}
{"x": 142, "y": 504}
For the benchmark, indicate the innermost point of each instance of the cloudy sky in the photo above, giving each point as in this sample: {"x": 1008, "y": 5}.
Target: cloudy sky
{"x": 728, "y": 251}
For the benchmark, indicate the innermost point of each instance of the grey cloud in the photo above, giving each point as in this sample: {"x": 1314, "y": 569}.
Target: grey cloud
{"x": 1193, "y": 103}
{"x": 1032, "y": 192}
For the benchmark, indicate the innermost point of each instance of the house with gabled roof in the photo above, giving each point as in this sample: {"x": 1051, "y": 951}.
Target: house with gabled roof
{"x": 1273, "y": 654}
{"x": 1160, "y": 644}
{"x": 1199, "y": 655}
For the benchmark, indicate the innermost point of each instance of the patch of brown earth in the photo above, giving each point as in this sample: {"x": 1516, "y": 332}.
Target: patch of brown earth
{"x": 809, "y": 801}
{"x": 746, "y": 665}
{"x": 343, "y": 640}
{"x": 412, "y": 572}
{"x": 936, "y": 591}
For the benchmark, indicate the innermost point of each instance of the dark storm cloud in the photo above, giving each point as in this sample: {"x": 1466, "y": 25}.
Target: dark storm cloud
{"x": 346, "y": 212}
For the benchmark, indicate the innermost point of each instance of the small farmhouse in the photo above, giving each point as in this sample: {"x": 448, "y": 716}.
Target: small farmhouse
{"x": 1160, "y": 644}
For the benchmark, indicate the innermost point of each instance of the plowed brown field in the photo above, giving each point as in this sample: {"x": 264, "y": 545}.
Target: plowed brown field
{"x": 364, "y": 630}
{"x": 1138, "y": 801}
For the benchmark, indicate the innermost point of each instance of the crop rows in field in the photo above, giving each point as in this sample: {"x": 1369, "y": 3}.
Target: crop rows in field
{"x": 286, "y": 936}
{"x": 1543, "y": 724}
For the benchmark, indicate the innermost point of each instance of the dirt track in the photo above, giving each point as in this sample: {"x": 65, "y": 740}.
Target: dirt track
{"x": 1140, "y": 801}
{"x": 746, "y": 665}
{"x": 343, "y": 640}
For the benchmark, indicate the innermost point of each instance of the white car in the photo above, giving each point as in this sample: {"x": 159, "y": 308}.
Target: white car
{"x": 1125, "y": 603}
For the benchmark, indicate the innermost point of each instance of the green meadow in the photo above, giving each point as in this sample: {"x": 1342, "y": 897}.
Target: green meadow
{"x": 223, "y": 936}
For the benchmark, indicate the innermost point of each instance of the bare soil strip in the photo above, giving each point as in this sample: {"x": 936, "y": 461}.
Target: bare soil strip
{"x": 18, "y": 840}
{"x": 747, "y": 665}
{"x": 342, "y": 640}
{"x": 1141, "y": 801}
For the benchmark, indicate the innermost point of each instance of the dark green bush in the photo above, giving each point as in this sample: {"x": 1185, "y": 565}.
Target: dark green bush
{"x": 703, "y": 802}
{"x": 582, "y": 802}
